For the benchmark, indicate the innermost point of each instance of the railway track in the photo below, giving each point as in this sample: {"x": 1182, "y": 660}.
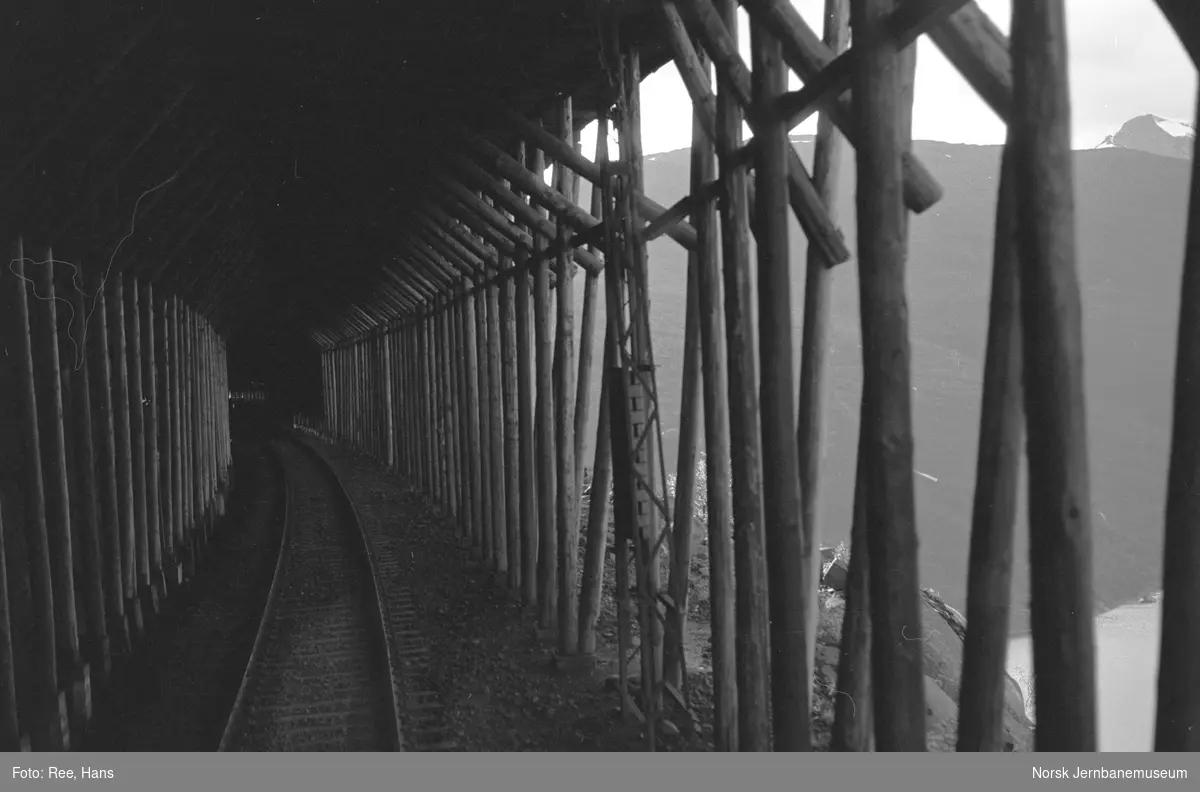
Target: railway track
{"x": 321, "y": 673}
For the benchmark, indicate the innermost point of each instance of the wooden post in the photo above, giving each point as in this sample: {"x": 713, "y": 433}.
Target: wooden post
{"x": 564, "y": 415}
{"x": 166, "y": 400}
{"x": 421, "y": 381}
{"x": 345, "y": 393}
{"x": 366, "y": 402}
{"x": 201, "y": 442}
{"x": 388, "y": 401}
{"x": 512, "y": 429}
{"x": 815, "y": 346}
{"x": 10, "y": 733}
{"x": 438, "y": 384}
{"x": 407, "y": 405}
{"x": 354, "y": 398}
{"x": 448, "y": 481}
{"x": 221, "y": 402}
{"x": 527, "y": 463}
{"x": 1177, "y": 727}
{"x": 95, "y": 647}
{"x": 183, "y": 326}
{"x": 454, "y": 371}
{"x": 547, "y": 488}
{"x": 621, "y": 430}
{"x": 596, "y": 550}
{"x": 346, "y": 354}
{"x": 789, "y": 567}
{"x": 891, "y": 521}
{"x": 474, "y": 429}
{"x": 449, "y": 370}
{"x": 109, "y": 522}
{"x": 137, "y": 426}
{"x": 982, "y": 693}
{"x": 853, "y": 725}
{"x": 47, "y": 727}
{"x": 1060, "y": 512}
{"x": 150, "y": 412}
{"x": 378, "y": 453}
{"x": 194, "y": 467}
{"x": 124, "y": 452}
{"x": 335, "y": 410}
{"x": 486, "y": 436}
{"x": 495, "y": 407}
{"x": 715, "y": 399}
{"x": 750, "y": 559}
{"x": 331, "y": 405}
{"x": 645, "y": 458}
{"x": 437, "y": 395}
{"x": 393, "y": 396}
{"x": 375, "y": 366}
{"x": 44, "y": 340}
{"x": 347, "y": 365}
{"x": 203, "y": 417}
{"x": 674, "y": 661}
{"x": 416, "y": 403}
{"x": 587, "y": 327}
{"x": 461, "y": 439}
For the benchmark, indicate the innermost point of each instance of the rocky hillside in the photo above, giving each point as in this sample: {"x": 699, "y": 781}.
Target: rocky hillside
{"x": 1130, "y": 219}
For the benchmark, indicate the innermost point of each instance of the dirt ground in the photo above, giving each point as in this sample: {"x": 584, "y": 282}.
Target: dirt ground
{"x": 496, "y": 677}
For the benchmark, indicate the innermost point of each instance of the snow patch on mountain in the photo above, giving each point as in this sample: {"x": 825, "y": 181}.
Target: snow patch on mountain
{"x": 1154, "y": 134}
{"x": 1174, "y": 128}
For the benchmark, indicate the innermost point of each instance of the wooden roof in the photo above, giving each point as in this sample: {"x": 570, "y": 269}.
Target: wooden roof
{"x": 282, "y": 143}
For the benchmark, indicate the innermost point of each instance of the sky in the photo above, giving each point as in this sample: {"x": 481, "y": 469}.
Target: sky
{"x": 1124, "y": 61}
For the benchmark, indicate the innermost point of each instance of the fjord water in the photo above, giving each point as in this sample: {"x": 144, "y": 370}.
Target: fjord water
{"x": 1131, "y": 210}
{"x": 1127, "y": 642}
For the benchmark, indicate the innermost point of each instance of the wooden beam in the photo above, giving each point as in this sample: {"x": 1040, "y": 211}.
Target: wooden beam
{"x": 896, "y": 620}
{"x": 751, "y": 605}
{"x": 788, "y": 568}
{"x": 553, "y": 200}
{"x": 807, "y": 56}
{"x": 564, "y": 405}
{"x": 46, "y": 727}
{"x": 536, "y": 136}
{"x": 827, "y": 87}
{"x": 1177, "y": 726}
{"x": 1060, "y": 510}
{"x": 544, "y": 420}
{"x": 815, "y": 347}
{"x": 982, "y": 695}
{"x": 481, "y": 209}
{"x": 814, "y": 220}
{"x": 980, "y": 52}
{"x": 523, "y": 212}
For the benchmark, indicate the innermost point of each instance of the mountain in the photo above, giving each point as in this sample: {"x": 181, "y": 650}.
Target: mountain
{"x": 1154, "y": 135}
{"x": 1130, "y": 224}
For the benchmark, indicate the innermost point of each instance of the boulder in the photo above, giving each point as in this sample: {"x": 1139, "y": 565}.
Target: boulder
{"x": 835, "y": 576}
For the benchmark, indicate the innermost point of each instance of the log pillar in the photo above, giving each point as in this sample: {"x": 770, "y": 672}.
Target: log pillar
{"x": 107, "y": 485}
{"x": 137, "y": 432}
{"x": 150, "y": 411}
{"x": 49, "y": 729}
{"x": 94, "y": 644}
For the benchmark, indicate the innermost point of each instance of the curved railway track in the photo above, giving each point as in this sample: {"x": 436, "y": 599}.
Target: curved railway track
{"x": 321, "y": 673}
